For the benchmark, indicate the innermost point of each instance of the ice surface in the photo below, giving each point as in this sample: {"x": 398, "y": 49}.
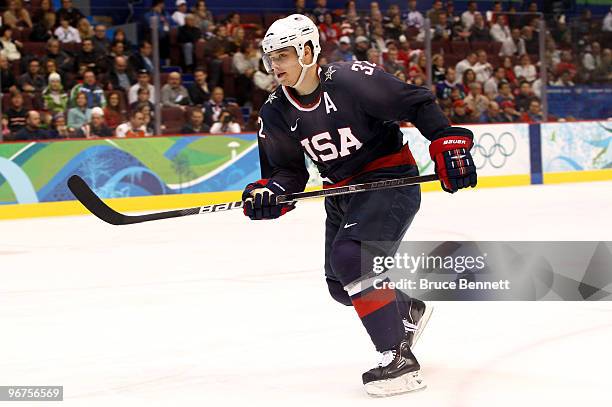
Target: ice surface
{"x": 216, "y": 310}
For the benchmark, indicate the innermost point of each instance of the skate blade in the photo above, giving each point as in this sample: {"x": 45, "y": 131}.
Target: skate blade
{"x": 406, "y": 383}
{"x": 421, "y": 325}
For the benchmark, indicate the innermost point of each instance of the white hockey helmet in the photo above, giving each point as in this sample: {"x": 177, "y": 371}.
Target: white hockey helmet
{"x": 293, "y": 31}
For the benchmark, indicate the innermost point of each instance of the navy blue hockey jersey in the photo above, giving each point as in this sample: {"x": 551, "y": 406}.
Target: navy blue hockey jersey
{"x": 350, "y": 124}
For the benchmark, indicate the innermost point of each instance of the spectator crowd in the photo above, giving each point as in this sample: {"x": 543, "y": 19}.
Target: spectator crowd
{"x": 63, "y": 76}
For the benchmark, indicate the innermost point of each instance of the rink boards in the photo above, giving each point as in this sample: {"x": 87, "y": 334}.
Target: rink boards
{"x": 184, "y": 171}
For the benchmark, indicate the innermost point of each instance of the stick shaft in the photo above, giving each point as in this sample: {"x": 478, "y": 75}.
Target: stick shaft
{"x": 95, "y": 205}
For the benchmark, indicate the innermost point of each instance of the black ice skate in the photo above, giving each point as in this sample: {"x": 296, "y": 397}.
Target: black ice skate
{"x": 415, "y": 320}
{"x": 398, "y": 372}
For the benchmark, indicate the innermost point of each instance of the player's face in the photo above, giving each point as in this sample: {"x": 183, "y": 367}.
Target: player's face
{"x": 285, "y": 65}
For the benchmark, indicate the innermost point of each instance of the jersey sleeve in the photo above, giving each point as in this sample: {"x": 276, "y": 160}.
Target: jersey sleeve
{"x": 281, "y": 157}
{"x": 383, "y": 96}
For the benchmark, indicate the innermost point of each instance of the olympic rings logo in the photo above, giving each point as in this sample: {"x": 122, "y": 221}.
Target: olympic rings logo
{"x": 492, "y": 150}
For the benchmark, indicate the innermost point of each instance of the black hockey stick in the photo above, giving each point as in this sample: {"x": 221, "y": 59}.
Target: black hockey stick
{"x": 95, "y": 205}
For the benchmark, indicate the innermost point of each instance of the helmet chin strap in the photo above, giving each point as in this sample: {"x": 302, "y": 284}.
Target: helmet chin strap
{"x": 303, "y": 73}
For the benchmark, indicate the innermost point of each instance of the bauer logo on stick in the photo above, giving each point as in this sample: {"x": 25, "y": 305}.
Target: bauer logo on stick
{"x": 221, "y": 207}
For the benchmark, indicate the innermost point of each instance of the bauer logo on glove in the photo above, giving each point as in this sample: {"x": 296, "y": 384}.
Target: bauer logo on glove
{"x": 451, "y": 154}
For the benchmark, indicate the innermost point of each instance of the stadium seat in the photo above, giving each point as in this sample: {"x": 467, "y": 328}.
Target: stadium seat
{"x": 417, "y": 45}
{"x": 34, "y": 48}
{"x": 16, "y": 67}
{"x": 450, "y": 60}
{"x": 22, "y": 34}
{"x": 172, "y": 129}
{"x": 494, "y": 47}
{"x": 440, "y": 47}
{"x": 228, "y": 77}
{"x": 172, "y": 114}
{"x": 173, "y": 118}
{"x": 251, "y": 18}
{"x": 460, "y": 48}
{"x": 171, "y": 68}
{"x": 71, "y": 48}
{"x": 494, "y": 59}
{"x": 200, "y": 56}
{"x": 477, "y": 45}
{"x": 176, "y": 55}
{"x": 163, "y": 78}
{"x": 270, "y": 18}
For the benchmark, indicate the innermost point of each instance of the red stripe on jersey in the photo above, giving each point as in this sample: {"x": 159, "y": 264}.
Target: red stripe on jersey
{"x": 402, "y": 157}
{"x": 373, "y": 301}
{"x": 308, "y": 106}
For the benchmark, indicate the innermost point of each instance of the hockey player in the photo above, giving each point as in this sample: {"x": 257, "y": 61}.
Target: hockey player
{"x": 344, "y": 116}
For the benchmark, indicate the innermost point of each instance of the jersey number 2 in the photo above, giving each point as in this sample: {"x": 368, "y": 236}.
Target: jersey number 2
{"x": 322, "y": 143}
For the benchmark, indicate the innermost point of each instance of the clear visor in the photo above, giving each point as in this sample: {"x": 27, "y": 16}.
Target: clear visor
{"x": 278, "y": 57}
{"x": 267, "y": 61}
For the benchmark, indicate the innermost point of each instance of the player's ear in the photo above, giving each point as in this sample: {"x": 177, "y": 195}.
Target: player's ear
{"x": 308, "y": 55}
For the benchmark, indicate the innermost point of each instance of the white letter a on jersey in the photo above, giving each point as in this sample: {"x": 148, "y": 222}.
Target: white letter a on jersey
{"x": 329, "y": 105}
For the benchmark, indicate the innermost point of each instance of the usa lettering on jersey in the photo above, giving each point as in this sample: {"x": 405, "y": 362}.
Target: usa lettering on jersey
{"x": 323, "y": 144}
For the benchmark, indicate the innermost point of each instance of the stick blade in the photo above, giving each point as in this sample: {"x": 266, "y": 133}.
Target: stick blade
{"x": 93, "y": 203}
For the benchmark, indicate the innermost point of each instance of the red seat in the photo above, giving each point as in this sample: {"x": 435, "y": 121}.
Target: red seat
{"x": 34, "y": 48}
{"x": 450, "y": 60}
{"x": 16, "y": 67}
{"x": 460, "y": 48}
{"x": 478, "y": 45}
{"x": 172, "y": 114}
{"x": 72, "y": 48}
{"x": 442, "y": 47}
{"x": 228, "y": 77}
{"x": 494, "y": 60}
{"x": 495, "y": 48}
{"x": 163, "y": 78}
{"x": 200, "y": 56}
{"x": 270, "y": 18}
{"x": 172, "y": 128}
{"x": 173, "y": 118}
{"x": 251, "y": 18}
{"x": 23, "y": 34}
{"x": 176, "y": 54}
{"x": 417, "y": 45}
